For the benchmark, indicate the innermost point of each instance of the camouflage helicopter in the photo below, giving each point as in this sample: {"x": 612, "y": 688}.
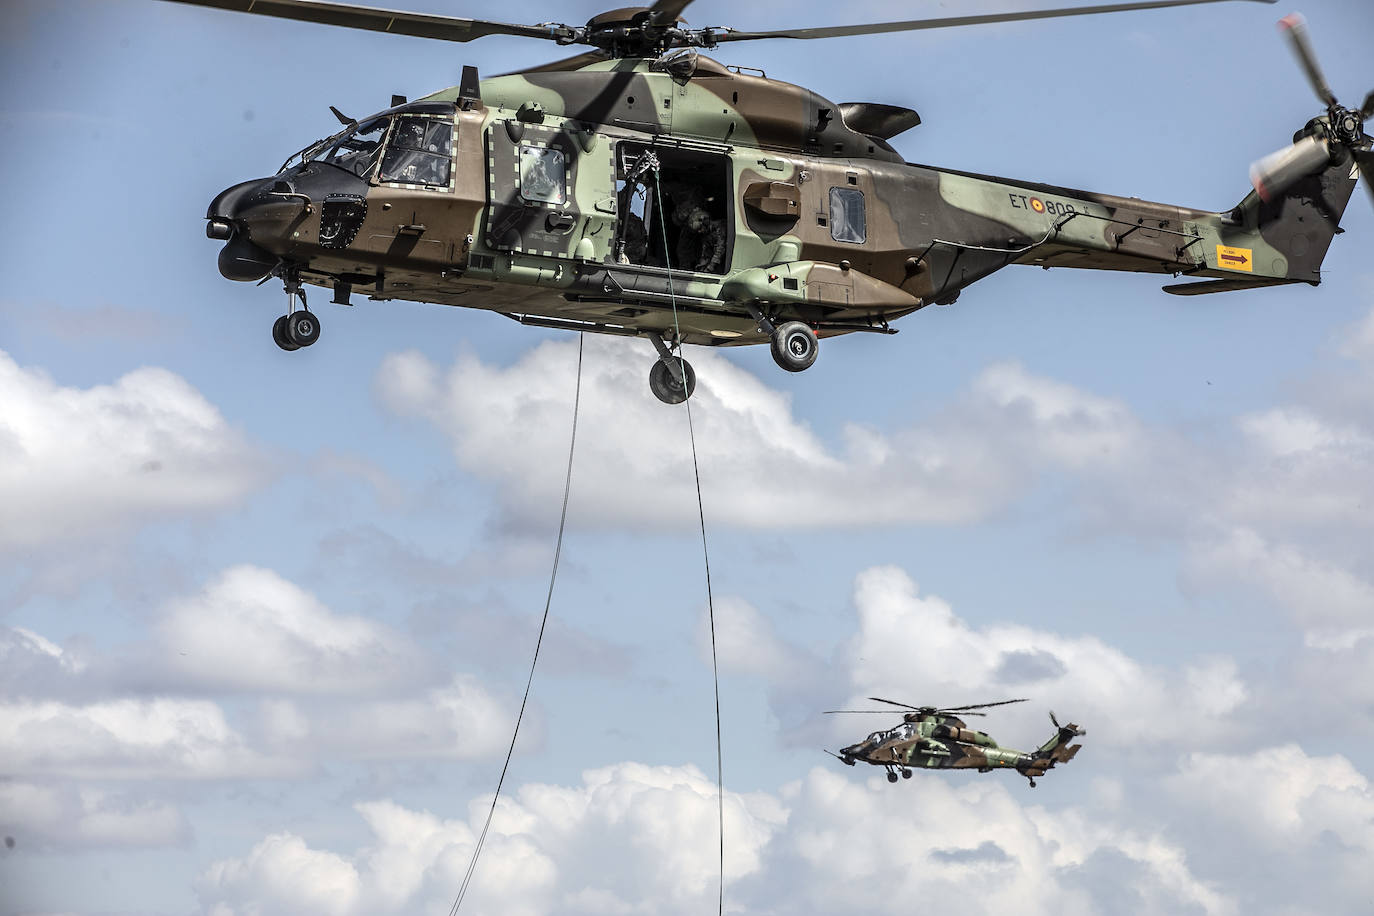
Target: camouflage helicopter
{"x": 937, "y": 739}
{"x": 643, "y": 189}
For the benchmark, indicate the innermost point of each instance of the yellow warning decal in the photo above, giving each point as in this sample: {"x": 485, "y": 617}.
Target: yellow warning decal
{"x": 1235, "y": 258}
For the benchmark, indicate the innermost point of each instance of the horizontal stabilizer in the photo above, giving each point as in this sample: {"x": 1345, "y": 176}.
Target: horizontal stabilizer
{"x": 1203, "y": 287}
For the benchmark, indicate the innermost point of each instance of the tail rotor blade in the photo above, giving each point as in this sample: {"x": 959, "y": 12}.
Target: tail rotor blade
{"x": 1365, "y": 160}
{"x": 1278, "y": 171}
{"x": 1295, "y": 27}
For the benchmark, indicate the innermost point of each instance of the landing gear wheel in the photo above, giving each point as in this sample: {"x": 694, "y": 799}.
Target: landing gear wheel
{"x": 279, "y": 335}
{"x": 302, "y": 328}
{"x": 906, "y": 774}
{"x": 663, "y": 381}
{"x": 891, "y": 776}
{"x": 794, "y": 346}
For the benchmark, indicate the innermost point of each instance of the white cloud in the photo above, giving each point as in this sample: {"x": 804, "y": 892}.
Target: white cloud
{"x": 827, "y": 843}
{"x": 950, "y": 835}
{"x": 1315, "y": 815}
{"x": 44, "y": 816}
{"x": 127, "y": 739}
{"x": 915, "y": 648}
{"x": 460, "y": 720}
{"x": 748, "y": 643}
{"x": 250, "y": 629}
{"x": 281, "y": 875}
{"x": 547, "y": 852}
{"x": 761, "y": 466}
{"x": 1335, "y": 606}
{"x": 77, "y": 462}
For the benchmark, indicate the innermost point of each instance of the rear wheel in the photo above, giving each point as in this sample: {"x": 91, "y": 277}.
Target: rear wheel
{"x": 794, "y": 346}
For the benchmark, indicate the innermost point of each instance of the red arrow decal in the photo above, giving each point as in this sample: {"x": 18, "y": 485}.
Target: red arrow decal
{"x": 1238, "y": 258}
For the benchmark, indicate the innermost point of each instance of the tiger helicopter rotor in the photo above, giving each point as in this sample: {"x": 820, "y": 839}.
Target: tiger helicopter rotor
{"x": 642, "y": 189}
{"x": 935, "y": 738}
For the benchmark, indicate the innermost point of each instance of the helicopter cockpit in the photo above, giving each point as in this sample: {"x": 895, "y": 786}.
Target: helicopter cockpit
{"x": 414, "y": 148}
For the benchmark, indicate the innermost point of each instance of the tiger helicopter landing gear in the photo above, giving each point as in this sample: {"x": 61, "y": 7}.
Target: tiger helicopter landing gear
{"x": 794, "y": 345}
{"x": 672, "y": 379}
{"x": 297, "y": 328}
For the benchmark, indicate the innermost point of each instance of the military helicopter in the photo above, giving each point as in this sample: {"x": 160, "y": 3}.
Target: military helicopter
{"x": 937, "y": 739}
{"x": 643, "y": 189}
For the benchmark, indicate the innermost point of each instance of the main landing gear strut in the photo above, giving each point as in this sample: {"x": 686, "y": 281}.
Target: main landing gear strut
{"x": 672, "y": 379}
{"x": 297, "y": 328}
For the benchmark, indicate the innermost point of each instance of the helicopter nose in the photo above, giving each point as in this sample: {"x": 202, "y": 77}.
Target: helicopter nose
{"x": 230, "y": 219}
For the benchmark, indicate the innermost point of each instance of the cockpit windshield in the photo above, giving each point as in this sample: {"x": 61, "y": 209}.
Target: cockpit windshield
{"x": 419, "y": 150}
{"x": 355, "y": 150}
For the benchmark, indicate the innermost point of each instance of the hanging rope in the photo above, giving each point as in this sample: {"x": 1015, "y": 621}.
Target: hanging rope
{"x": 548, "y": 600}
{"x": 705, "y": 554}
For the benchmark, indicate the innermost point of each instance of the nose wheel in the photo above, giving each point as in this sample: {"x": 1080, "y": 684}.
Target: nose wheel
{"x": 298, "y": 327}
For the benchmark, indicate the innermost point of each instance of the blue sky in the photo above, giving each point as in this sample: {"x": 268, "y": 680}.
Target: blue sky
{"x": 265, "y": 617}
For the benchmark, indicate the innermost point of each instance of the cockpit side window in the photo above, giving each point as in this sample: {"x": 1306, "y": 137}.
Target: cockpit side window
{"x": 357, "y": 150}
{"x": 420, "y": 152}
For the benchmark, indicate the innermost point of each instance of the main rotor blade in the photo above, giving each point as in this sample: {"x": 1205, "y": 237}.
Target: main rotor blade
{"x": 420, "y": 25}
{"x": 895, "y": 703}
{"x": 1367, "y": 109}
{"x": 858, "y": 712}
{"x": 912, "y": 25}
{"x": 1295, "y": 27}
{"x": 981, "y": 705}
{"x": 667, "y": 12}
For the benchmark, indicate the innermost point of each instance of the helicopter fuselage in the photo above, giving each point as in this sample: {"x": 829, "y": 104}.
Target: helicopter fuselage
{"x": 684, "y": 201}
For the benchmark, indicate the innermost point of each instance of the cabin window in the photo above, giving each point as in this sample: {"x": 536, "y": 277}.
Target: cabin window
{"x": 420, "y": 152}
{"x": 847, "y": 222}
{"x": 543, "y": 174}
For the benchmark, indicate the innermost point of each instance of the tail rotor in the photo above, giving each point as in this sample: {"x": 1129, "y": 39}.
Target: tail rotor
{"x": 1325, "y": 140}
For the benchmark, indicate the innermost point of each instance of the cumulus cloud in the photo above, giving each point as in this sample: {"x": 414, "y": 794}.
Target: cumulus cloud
{"x": 914, "y": 647}
{"x": 47, "y": 817}
{"x": 546, "y": 853}
{"x": 32, "y": 665}
{"x": 250, "y": 629}
{"x": 75, "y": 462}
{"x": 951, "y": 839}
{"x": 1335, "y": 607}
{"x": 460, "y": 720}
{"x": 1313, "y": 814}
{"x": 824, "y": 844}
{"x": 162, "y": 738}
{"x": 761, "y": 465}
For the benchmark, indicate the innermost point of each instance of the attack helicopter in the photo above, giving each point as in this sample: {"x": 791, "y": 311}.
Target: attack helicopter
{"x": 643, "y": 189}
{"x": 936, "y": 738}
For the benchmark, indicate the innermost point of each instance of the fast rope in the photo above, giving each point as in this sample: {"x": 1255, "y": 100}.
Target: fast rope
{"x": 705, "y": 554}
{"x": 548, "y": 600}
